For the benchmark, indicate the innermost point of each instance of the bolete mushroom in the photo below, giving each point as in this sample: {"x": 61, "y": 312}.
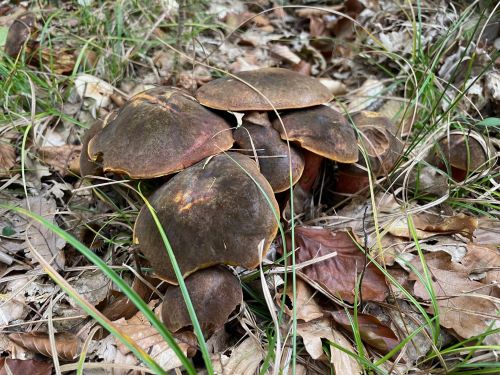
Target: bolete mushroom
{"x": 159, "y": 132}
{"x": 20, "y": 34}
{"x": 465, "y": 153}
{"x": 272, "y": 154}
{"x": 383, "y": 149}
{"x": 284, "y": 88}
{"x": 324, "y": 133}
{"x": 214, "y": 212}
{"x": 215, "y": 293}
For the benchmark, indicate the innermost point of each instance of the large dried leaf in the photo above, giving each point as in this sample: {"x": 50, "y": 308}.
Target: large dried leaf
{"x": 312, "y": 334}
{"x": 67, "y": 344}
{"x": 427, "y": 225}
{"x": 482, "y": 262}
{"x": 305, "y": 304}
{"x": 339, "y": 273}
{"x": 467, "y": 307}
{"x": 41, "y": 238}
{"x": 245, "y": 359}
{"x": 140, "y": 330}
{"x": 10, "y": 366}
{"x": 372, "y": 331}
{"x": 64, "y": 159}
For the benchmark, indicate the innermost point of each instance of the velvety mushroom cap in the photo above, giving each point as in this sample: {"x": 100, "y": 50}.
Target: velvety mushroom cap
{"x": 272, "y": 153}
{"x": 379, "y": 139}
{"x": 284, "y": 88}
{"x": 215, "y": 293}
{"x": 464, "y": 152}
{"x": 213, "y": 213}
{"x": 88, "y": 167}
{"x": 159, "y": 132}
{"x": 19, "y": 33}
{"x": 322, "y": 131}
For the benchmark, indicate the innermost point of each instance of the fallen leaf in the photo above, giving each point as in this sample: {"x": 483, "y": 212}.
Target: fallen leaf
{"x": 312, "y": 334}
{"x": 465, "y": 306}
{"x": 245, "y": 359}
{"x": 306, "y": 307}
{"x": 67, "y": 344}
{"x": 41, "y": 238}
{"x": 482, "y": 262}
{"x": 7, "y": 159}
{"x": 366, "y": 96}
{"x": 285, "y": 53}
{"x": 338, "y": 274}
{"x": 140, "y": 330}
{"x": 9, "y": 366}
{"x": 61, "y": 158}
{"x": 94, "y": 88}
{"x": 91, "y": 285}
{"x": 487, "y": 232}
{"x": 428, "y": 225}
{"x": 12, "y": 303}
{"x": 372, "y": 331}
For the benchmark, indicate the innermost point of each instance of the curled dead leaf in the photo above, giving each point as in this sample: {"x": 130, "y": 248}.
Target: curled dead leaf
{"x": 338, "y": 274}
{"x": 67, "y": 344}
{"x": 305, "y": 304}
{"x": 373, "y": 332}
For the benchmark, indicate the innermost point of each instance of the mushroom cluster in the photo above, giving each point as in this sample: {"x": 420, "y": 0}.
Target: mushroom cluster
{"x": 218, "y": 207}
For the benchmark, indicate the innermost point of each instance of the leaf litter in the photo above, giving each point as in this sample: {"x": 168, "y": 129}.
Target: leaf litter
{"x": 346, "y": 251}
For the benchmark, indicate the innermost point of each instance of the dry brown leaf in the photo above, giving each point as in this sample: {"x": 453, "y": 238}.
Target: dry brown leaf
{"x": 338, "y": 274}
{"x": 487, "y": 232}
{"x": 41, "y": 238}
{"x": 140, "y": 330}
{"x": 465, "y": 306}
{"x": 366, "y": 96}
{"x": 59, "y": 62}
{"x": 373, "y": 332}
{"x": 122, "y": 306}
{"x": 10, "y": 366}
{"x": 67, "y": 344}
{"x": 61, "y": 158}
{"x": 428, "y": 225}
{"x": 285, "y": 53}
{"x": 483, "y": 262}
{"x": 245, "y": 359}
{"x": 7, "y": 158}
{"x": 312, "y": 333}
{"x": 305, "y": 304}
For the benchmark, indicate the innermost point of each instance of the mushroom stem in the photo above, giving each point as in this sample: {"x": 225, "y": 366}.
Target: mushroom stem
{"x": 311, "y": 170}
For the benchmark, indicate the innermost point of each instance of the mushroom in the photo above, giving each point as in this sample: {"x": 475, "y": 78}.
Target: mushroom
{"x": 284, "y": 88}
{"x": 323, "y": 133}
{"x": 465, "y": 153}
{"x": 214, "y": 212}
{"x": 159, "y": 132}
{"x": 214, "y": 292}
{"x": 272, "y": 154}
{"x": 383, "y": 149}
{"x": 20, "y": 34}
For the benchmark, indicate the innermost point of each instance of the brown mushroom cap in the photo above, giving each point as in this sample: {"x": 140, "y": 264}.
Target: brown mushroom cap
{"x": 379, "y": 139}
{"x": 215, "y": 293}
{"x": 465, "y": 152}
{"x": 159, "y": 132}
{"x": 284, "y": 88}
{"x": 272, "y": 153}
{"x": 20, "y": 33}
{"x": 88, "y": 167}
{"x": 322, "y": 131}
{"x": 213, "y": 213}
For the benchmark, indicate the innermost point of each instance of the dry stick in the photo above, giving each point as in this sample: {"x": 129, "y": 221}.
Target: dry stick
{"x": 181, "y": 18}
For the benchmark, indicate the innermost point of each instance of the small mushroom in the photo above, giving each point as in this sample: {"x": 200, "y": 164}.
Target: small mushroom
{"x": 284, "y": 88}
{"x": 159, "y": 132}
{"x": 324, "y": 133}
{"x": 20, "y": 34}
{"x": 383, "y": 149}
{"x": 215, "y": 293}
{"x": 272, "y": 154}
{"x": 465, "y": 153}
{"x": 212, "y": 213}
